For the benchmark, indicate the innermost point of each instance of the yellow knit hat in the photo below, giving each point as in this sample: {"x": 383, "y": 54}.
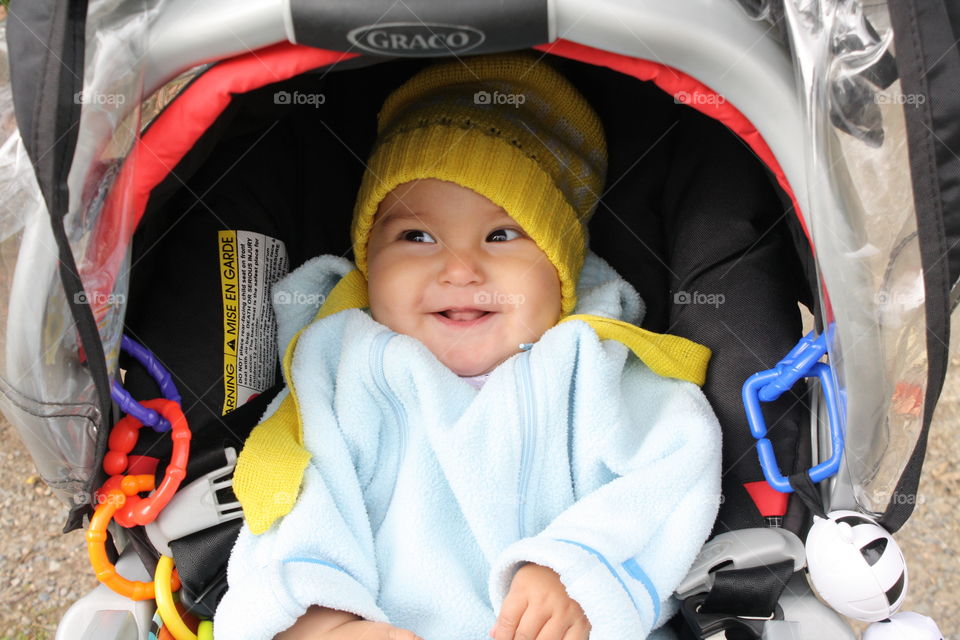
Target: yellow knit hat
{"x": 510, "y": 128}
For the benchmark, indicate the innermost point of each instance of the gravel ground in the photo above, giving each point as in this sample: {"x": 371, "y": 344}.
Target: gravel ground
{"x": 42, "y": 572}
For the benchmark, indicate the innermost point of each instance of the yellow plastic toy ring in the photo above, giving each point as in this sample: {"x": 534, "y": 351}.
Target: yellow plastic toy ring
{"x": 205, "y": 630}
{"x": 165, "y": 604}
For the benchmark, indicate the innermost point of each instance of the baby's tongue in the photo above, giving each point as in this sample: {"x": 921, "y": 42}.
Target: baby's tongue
{"x": 462, "y": 316}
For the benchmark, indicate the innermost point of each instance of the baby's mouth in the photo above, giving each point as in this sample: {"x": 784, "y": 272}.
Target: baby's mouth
{"x": 463, "y": 315}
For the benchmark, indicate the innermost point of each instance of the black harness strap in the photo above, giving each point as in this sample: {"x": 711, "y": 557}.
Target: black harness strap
{"x": 804, "y": 489}
{"x": 752, "y": 592}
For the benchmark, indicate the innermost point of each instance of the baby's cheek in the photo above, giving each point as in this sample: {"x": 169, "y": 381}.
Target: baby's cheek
{"x": 379, "y": 304}
{"x": 381, "y": 313}
{"x": 548, "y": 302}
{"x": 390, "y": 311}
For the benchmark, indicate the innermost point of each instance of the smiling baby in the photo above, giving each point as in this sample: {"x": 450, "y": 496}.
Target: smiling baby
{"x": 476, "y": 439}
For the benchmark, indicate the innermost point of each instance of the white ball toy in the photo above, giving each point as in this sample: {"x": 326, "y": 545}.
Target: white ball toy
{"x": 906, "y": 625}
{"x": 856, "y": 566}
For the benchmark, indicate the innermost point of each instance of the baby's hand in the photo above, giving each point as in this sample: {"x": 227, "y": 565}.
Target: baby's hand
{"x": 538, "y": 608}
{"x": 321, "y": 623}
{"x": 366, "y": 630}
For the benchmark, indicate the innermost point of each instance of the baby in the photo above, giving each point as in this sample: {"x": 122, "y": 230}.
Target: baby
{"x": 475, "y": 438}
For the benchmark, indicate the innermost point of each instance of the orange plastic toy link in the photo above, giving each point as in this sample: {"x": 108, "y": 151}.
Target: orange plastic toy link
{"x": 106, "y": 572}
{"x": 123, "y": 438}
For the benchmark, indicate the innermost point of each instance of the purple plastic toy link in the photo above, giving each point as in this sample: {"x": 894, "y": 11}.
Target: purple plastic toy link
{"x": 159, "y": 374}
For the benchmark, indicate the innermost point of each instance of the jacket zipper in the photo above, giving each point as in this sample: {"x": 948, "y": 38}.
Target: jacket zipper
{"x": 528, "y": 417}
{"x": 380, "y": 379}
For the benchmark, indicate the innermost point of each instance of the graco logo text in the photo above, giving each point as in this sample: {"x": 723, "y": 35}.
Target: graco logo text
{"x": 415, "y": 38}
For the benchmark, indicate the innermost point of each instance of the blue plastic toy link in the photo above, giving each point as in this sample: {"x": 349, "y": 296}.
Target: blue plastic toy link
{"x": 767, "y": 386}
{"x": 159, "y": 374}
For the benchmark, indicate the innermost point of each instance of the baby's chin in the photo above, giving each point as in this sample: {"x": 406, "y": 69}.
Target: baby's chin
{"x": 467, "y": 367}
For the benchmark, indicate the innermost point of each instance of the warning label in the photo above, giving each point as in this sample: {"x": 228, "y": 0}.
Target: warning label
{"x": 249, "y": 265}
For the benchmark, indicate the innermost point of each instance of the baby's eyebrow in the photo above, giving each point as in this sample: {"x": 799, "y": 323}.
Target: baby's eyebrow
{"x": 401, "y": 215}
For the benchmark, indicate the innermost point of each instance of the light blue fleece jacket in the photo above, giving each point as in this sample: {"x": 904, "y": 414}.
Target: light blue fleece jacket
{"x": 424, "y": 495}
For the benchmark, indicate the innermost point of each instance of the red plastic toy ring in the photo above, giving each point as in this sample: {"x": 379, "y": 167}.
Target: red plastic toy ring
{"x": 123, "y": 438}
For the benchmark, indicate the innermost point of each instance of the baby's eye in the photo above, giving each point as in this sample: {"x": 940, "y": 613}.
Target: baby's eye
{"x": 502, "y": 235}
{"x": 415, "y": 235}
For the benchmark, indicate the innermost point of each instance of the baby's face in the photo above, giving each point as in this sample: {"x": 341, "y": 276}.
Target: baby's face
{"x": 449, "y": 267}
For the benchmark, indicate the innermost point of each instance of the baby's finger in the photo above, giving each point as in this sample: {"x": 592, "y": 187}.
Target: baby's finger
{"x": 554, "y": 629}
{"x": 580, "y": 630}
{"x": 533, "y": 620}
{"x": 396, "y": 633}
{"x": 510, "y": 614}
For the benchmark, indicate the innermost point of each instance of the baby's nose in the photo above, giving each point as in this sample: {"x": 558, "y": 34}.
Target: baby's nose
{"x": 461, "y": 267}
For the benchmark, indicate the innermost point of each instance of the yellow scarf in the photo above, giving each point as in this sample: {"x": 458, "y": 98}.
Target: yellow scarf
{"x": 270, "y": 467}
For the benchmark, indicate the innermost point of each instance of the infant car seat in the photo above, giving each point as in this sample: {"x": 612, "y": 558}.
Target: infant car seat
{"x": 687, "y": 210}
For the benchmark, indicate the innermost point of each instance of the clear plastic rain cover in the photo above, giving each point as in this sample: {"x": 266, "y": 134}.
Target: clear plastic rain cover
{"x": 864, "y": 228}
{"x": 47, "y": 393}
{"x": 861, "y": 220}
